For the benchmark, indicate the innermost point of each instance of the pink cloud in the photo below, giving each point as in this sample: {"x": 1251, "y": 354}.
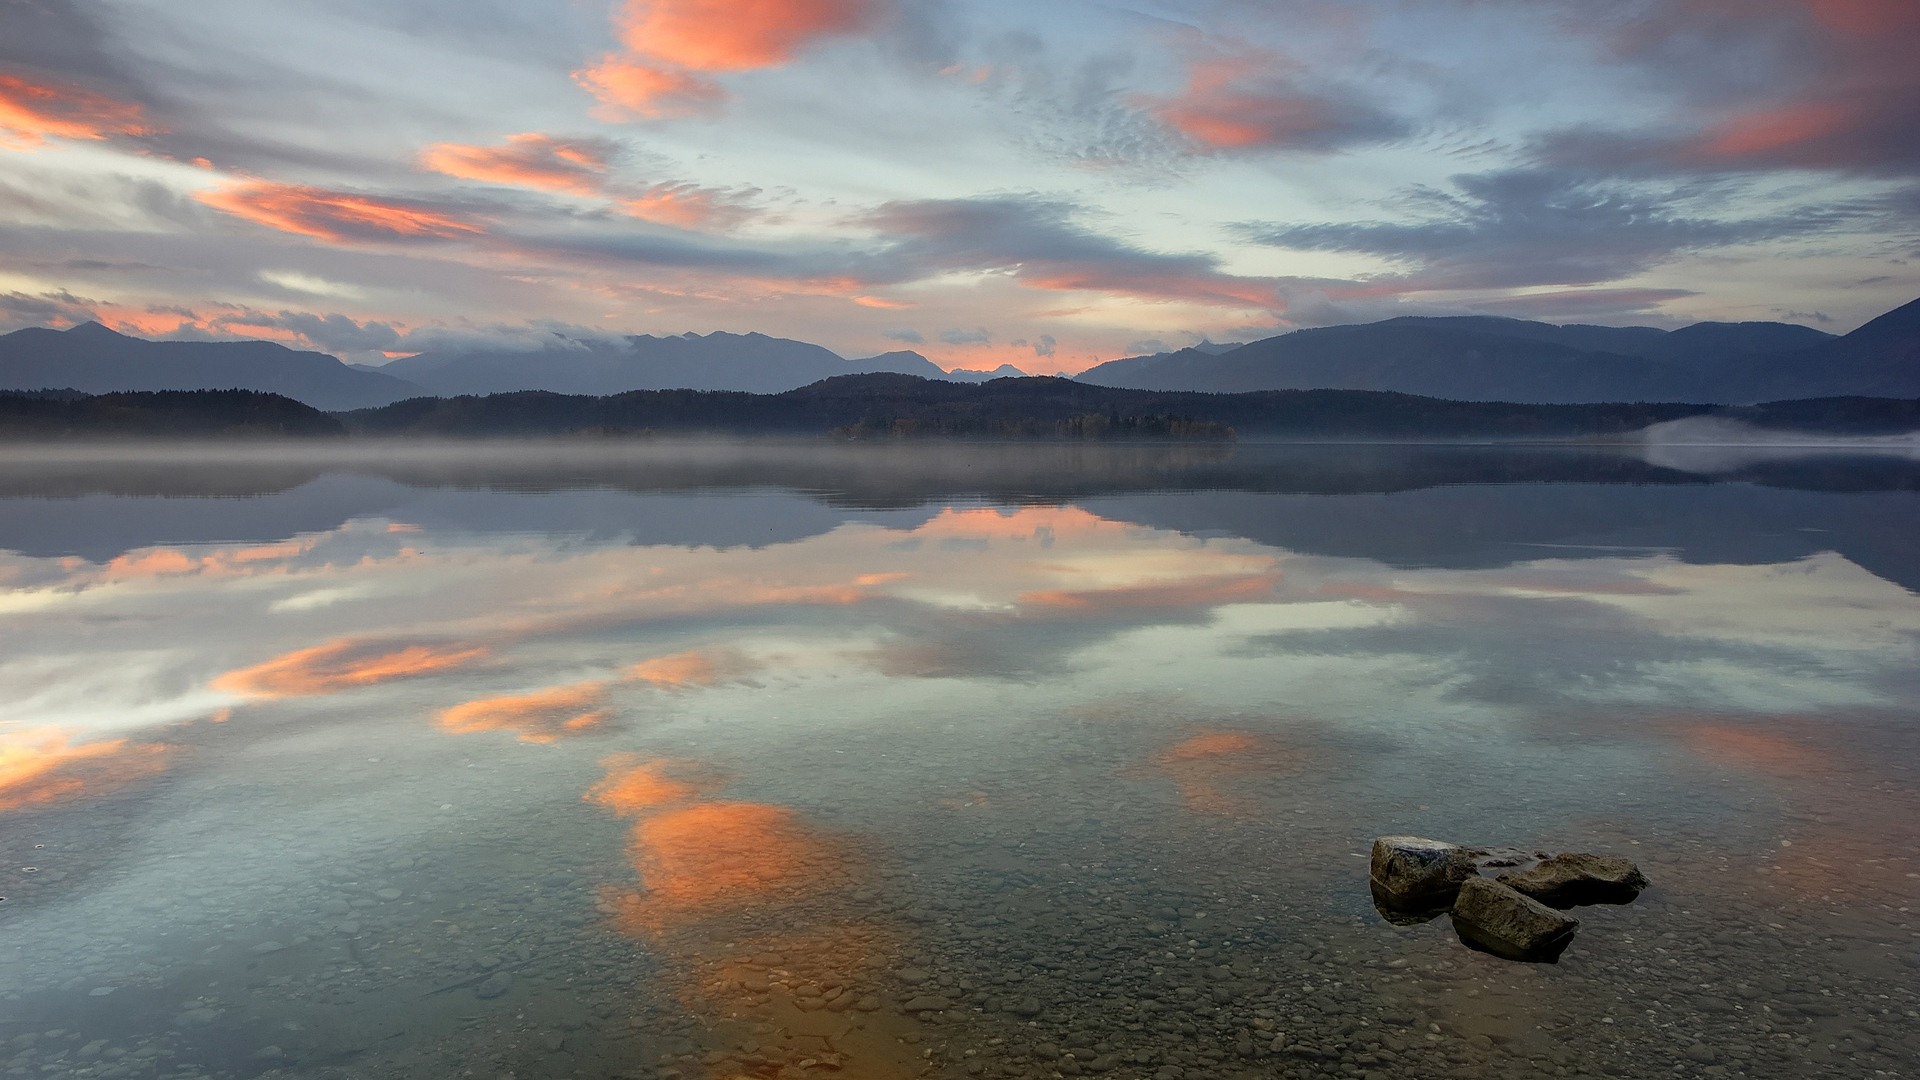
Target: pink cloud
{"x": 1843, "y": 89}
{"x": 669, "y": 41}
{"x": 738, "y": 35}
{"x": 1239, "y": 96}
{"x": 336, "y": 216}
{"x": 31, "y": 113}
{"x": 628, "y": 87}
{"x": 689, "y": 206}
{"x": 531, "y": 159}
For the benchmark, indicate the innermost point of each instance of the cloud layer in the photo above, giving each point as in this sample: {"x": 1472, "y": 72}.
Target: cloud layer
{"x": 970, "y": 179}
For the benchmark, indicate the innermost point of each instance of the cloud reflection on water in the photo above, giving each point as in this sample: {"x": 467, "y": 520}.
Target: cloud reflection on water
{"x": 698, "y": 859}
{"x": 344, "y": 665}
{"x": 1221, "y": 772}
{"x": 539, "y": 716}
{"x": 43, "y": 765}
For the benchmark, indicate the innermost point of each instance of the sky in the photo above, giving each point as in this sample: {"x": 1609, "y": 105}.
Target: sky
{"x": 985, "y": 182}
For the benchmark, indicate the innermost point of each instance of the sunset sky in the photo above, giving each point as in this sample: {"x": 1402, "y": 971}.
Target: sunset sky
{"x": 984, "y": 181}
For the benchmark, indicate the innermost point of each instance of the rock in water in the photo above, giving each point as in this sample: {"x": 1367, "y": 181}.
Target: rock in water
{"x": 1566, "y": 881}
{"x": 1414, "y": 875}
{"x": 1493, "y": 918}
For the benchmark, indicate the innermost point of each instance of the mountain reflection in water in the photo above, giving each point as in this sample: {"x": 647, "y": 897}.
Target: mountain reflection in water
{"x": 765, "y": 760}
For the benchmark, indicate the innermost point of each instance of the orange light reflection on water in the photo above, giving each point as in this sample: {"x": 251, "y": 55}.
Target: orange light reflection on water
{"x": 632, "y": 786}
{"x": 708, "y": 858}
{"x": 542, "y": 716}
{"x": 343, "y": 664}
{"x": 1213, "y": 771}
{"x": 44, "y": 766}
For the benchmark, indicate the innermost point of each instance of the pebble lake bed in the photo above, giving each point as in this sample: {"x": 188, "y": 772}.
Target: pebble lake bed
{"x": 1024, "y": 762}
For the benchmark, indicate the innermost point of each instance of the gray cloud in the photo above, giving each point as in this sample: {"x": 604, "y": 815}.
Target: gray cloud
{"x": 1077, "y": 110}
{"x": 338, "y": 333}
{"x": 966, "y": 337}
{"x": 1045, "y": 346}
{"x": 1038, "y": 241}
{"x": 1035, "y": 239}
{"x": 1787, "y": 84}
{"x": 1527, "y": 227}
{"x": 910, "y": 336}
{"x": 60, "y": 40}
{"x": 18, "y": 309}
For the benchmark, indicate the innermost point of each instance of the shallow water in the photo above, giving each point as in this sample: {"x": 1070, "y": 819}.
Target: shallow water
{"x": 763, "y": 760}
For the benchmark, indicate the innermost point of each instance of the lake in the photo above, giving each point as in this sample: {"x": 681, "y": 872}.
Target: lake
{"x": 682, "y": 760}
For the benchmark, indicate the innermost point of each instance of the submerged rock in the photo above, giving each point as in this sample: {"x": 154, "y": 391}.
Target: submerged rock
{"x": 1494, "y": 918}
{"x": 1417, "y": 877}
{"x": 1565, "y": 881}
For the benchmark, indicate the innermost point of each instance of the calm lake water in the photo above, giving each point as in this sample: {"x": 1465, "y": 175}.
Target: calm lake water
{"x": 663, "y": 761}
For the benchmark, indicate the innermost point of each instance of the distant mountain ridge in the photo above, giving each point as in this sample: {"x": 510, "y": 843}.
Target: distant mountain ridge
{"x": 1484, "y": 358}
{"x": 95, "y": 360}
{"x": 1462, "y": 358}
{"x": 750, "y": 363}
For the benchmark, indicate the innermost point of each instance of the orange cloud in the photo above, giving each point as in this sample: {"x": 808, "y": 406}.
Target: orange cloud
{"x": 530, "y": 160}
{"x": 542, "y": 716}
{"x": 218, "y": 562}
{"x": 735, "y": 593}
{"x": 267, "y": 552}
{"x": 31, "y": 113}
{"x": 1192, "y": 592}
{"x": 154, "y": 563}
{"x": 669, "y": 40}
{"x": 628, "y": 87}
{"x": 697, "y": 667}
{"x": 43, "y": 766}
{"x": 632, "y": 785}
{"x": 688, "y": 206}
{"x": 738, "y": 35}
{"x": 336, "y": 216}
{"x": 343, "y": 665}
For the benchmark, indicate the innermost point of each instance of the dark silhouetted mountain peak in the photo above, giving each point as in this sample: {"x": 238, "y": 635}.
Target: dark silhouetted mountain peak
{"x": 91, "y": 329}
{"x": 1900, "y": 324}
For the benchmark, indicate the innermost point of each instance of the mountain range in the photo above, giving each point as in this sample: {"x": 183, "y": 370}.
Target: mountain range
{"x": 1465, "y": 358}
{"x": 95, "y": 360}
{"x": 753, "y": 363}
{"x": 1479, "y": 358}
